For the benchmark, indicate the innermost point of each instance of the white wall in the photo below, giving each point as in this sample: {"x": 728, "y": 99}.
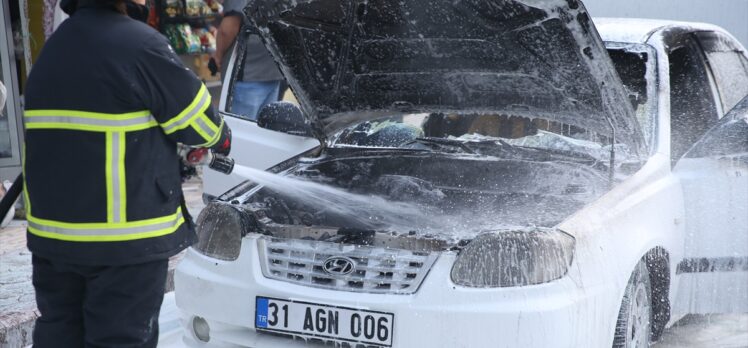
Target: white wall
{"x": 729, "y": 14}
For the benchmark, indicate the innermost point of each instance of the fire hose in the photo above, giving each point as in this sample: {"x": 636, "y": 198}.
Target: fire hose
{"x": 10, "y": 197}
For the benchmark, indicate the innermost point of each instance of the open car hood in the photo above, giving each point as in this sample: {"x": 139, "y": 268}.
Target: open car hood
{"x": 350, "y": 61}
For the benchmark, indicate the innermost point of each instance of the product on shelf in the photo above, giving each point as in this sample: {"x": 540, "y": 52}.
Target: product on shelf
{"x": 207, "y": 39}
{"x": 185, "y": 39}
{"x": 197, "y": 8}
{"x": 175, "y": 37}
{"x": 186, "y": 24}
{"x": 173, "y": 8}
{"x": 215, "y": 6}
{"x": 193, "y": 40}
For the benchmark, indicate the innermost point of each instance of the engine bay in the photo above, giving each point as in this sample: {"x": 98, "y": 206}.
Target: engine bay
{"x": 413, "y": 199}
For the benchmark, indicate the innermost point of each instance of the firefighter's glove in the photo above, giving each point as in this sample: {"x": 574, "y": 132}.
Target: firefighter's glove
{"x": 223, "y": 146}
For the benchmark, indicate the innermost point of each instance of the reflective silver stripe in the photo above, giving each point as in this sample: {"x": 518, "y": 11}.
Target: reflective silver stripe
{"x": 116, "y": 194}
{"x": 209, "y": 131}
{"x": 85, "y": 121}
{"x": 113, "y": 231}
{"x": 180, "y": 123}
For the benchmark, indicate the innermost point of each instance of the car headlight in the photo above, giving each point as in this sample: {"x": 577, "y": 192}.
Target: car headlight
{"x": 514, "y": 258}
{"x": 220, "y": 228}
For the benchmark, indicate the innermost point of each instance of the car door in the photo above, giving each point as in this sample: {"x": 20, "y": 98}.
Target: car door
{"x": 252, "y": 146}
{"x": 714, "y": 177}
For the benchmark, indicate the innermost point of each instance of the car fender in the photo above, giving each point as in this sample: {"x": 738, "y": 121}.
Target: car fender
{"x": 616, "y": 231}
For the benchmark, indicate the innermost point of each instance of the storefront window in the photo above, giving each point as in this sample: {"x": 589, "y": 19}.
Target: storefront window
{"x": 5, "y": 146}
{"x": 10, "y": 123}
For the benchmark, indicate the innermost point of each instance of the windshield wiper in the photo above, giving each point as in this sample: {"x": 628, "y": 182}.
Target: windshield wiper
{"x": 612, "y": 165}
{"x": 501, "y": 148}
{"x": 441, "y": 143}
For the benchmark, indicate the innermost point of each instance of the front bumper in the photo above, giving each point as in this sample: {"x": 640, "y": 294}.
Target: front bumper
{"x": 439, "y": 314}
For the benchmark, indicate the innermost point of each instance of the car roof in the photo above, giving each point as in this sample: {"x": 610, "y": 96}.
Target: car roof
{"x": 639, "y": 30}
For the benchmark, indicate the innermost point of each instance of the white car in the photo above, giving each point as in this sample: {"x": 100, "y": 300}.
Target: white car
{"x": 496, "y": 174}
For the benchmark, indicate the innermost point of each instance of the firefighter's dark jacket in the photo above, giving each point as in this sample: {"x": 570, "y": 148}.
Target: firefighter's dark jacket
{"x": 106, "y": 103}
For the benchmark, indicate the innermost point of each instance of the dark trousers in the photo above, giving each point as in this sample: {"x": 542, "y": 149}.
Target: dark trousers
{"x": 98, "y": 306}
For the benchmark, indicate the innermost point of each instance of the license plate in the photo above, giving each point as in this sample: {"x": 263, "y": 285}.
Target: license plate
{"x": 321, "y": 321}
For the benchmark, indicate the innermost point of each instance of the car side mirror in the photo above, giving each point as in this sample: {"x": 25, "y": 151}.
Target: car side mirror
{"x": 729, "y": 138}
{"x": 284, "y": 117}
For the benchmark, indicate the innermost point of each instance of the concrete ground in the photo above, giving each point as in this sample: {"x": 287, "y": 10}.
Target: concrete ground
{"x": 17, "y": 304}
{"x": 718, "y": 331}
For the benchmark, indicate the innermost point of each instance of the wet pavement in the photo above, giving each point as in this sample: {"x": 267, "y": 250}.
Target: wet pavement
{"x": 716, "y": 331}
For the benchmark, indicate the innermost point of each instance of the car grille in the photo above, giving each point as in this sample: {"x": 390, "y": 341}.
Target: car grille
{"x": 377, "y": 270}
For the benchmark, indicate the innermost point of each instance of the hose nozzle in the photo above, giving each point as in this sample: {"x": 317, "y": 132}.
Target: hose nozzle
{"x": 221, "y": 163}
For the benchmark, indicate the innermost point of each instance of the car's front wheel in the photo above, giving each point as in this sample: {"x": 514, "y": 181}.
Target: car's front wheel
{"x": 634, "y": 326}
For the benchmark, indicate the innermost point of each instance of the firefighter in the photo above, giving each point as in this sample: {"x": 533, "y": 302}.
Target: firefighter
{"x": 106, "y": 103}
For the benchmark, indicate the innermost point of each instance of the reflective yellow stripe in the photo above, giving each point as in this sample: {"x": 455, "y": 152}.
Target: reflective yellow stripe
{"x": 192, "y": 111}
{"x": 121, "y": 176}
{"x": 88, "y": 128}
{"x": 215, "y": 138}
{"x": 200, "y": 129}
{"x": 27, "y": 201}
{"x": 88, "y": 121}
{"x": 105, "y": 232}
{"x": 108, "y": 178}
{"x": 194, "y": 116}
{"x": 116, "y": 197}
{"x": 86, "y": 114}
{"x": 211, "y": 125}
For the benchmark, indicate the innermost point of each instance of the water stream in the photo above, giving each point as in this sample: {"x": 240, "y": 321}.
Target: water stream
{"x": 444, "y": 216}
{"x": 368, "y": 210}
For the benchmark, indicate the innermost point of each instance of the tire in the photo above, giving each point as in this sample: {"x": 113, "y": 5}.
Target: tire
{"x": 634, "y": 326}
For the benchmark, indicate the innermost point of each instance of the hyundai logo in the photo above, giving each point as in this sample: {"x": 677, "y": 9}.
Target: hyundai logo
{"x": 339, "y": 265}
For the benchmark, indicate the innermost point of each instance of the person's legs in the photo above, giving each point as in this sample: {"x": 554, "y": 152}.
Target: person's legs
{"x": 122, "y": 305}
{"x": 59, "y": 298}
{"x": 250, "y": 97}
{"x": 273, "y": 90}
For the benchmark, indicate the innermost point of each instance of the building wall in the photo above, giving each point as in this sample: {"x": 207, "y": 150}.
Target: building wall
{"x": 729, "y": 14}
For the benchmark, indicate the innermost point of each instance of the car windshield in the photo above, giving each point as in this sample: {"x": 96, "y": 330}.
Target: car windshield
{"x": 473, "y": 133}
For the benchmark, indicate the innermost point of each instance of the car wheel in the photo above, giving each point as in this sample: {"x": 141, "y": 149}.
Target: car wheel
{"x": 634, "y": 326}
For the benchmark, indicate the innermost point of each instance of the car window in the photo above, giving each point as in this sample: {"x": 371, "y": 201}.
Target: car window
{"x": 729, "y": 67}
{"x": 233, "y": 69}
{"x": 245, "y": 99}
{"x": 728, "y": 138}
{"x": 693, "y": 109}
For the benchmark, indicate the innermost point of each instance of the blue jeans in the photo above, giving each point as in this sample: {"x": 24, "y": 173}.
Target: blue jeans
{"x": 250, "y": 97}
